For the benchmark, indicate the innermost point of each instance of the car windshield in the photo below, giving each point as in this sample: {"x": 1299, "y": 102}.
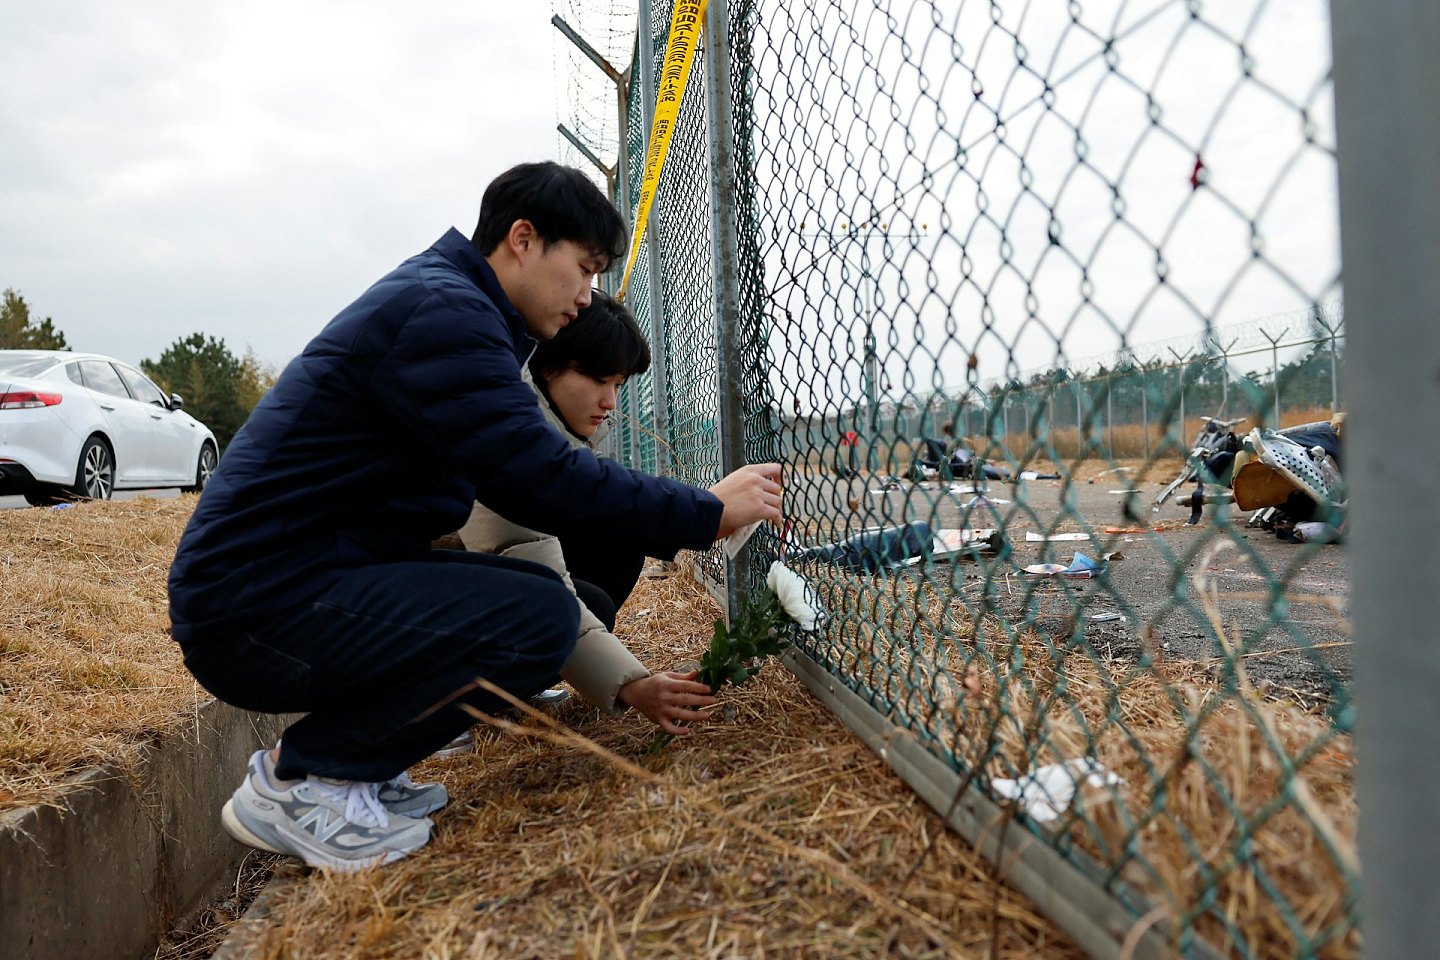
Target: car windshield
{"x": 25, "y": 364}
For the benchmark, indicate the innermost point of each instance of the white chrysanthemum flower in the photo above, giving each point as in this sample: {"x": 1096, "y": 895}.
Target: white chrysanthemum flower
{"x": 796, "y": 596}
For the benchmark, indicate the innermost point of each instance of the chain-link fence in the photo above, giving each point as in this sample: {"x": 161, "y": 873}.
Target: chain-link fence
{"x": 975, "y": 272}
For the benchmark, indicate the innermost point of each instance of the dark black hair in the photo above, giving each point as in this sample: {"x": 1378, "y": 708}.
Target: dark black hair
{"x": 561, "y": 202}
{"x": 601, "y": 341}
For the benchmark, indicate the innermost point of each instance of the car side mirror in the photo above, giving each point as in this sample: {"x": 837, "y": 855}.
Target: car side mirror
{"x": 176, "y": 401}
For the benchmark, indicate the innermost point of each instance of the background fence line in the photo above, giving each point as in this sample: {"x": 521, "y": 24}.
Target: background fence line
{"x": 1066, "y": 234}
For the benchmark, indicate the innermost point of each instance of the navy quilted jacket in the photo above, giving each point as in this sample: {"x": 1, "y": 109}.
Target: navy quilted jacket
{"x": 405, "y": 409}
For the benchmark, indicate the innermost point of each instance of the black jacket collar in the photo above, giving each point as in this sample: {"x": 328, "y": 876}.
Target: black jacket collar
{"x": 454, "y": 247}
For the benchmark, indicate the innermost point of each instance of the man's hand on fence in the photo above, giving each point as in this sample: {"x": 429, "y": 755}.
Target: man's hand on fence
{"x": 749, "y": 494}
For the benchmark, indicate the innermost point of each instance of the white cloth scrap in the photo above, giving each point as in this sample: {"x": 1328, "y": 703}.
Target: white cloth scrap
{"x": 1048, "y": 792}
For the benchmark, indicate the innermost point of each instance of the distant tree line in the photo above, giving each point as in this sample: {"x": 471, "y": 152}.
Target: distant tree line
{"x": 219, "y": 388}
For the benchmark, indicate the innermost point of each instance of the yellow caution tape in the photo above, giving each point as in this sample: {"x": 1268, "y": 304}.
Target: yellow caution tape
{"x": 674, "y": 74}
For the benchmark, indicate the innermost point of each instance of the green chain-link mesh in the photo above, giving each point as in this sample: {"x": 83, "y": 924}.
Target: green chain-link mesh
{"x": 1051, "y": 237}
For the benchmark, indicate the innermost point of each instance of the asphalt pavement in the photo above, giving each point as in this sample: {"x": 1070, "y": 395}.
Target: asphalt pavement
{"x": 1284, "y": 606}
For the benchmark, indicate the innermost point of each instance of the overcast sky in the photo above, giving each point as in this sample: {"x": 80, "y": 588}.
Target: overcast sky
{"x": 1019, "y": 258}
{"x": 247, "y": 169}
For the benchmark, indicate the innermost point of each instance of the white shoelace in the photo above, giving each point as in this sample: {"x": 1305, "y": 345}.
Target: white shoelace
{"x": 362, "y": 801}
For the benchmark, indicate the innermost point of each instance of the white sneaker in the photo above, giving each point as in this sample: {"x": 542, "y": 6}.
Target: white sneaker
{"x": 331, "y": 824}
{"x": 398, "y": 794}
{"x": 465, "y": 743}
{"x": 403, "y": 796}
{"x": 549, "y": 699}
{"x": 461, "y": 744}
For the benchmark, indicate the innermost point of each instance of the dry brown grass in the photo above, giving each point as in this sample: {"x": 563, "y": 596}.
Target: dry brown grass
{"x": 1228, "y": 790}
{"x": 87, "y": 667}
{"x": 774, "y": 834}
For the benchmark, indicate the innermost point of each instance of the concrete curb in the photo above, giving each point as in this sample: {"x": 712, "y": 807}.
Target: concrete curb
{"x": 122, "y": 856}
{"x": 253, "y": 933}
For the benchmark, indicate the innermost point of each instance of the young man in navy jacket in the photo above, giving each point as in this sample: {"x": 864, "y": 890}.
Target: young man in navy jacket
{"x": 305, "y": 581}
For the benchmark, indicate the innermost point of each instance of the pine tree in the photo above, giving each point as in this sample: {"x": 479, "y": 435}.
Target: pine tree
{"x": 208, "y": 377}
{"x": 19, "y": 332}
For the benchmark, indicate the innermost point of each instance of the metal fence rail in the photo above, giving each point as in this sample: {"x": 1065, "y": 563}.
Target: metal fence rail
{"x": 1022, "y": 229}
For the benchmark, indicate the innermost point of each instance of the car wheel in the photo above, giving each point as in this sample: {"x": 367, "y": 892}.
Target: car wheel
{"x": 204, "y": 467}
{"x": 95, "y": 474}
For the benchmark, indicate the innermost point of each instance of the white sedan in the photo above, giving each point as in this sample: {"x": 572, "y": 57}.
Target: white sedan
{"x": 82, "y": 425}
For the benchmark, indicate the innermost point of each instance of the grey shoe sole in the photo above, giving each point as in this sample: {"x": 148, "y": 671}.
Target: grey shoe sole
{"x": 236, "y": 829}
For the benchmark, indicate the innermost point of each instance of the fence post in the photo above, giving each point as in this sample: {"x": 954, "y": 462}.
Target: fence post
{"x": 1110, "y": 414}
{"x": 1005, "y": 415}
{"x": 729, "y": 324}
{"x": 1275, "y": 373}
{"x": 1184, "y": 433}
{"x": 1075, "y": 388}
{"x": 659, "y": 369}
{"x": 1334, "y": 376}
{"x": 622, "y": 189}
{"x": 1387, "y": 82}
{"x": 1225, "y": 384}
{"x": 1145, "y": 412}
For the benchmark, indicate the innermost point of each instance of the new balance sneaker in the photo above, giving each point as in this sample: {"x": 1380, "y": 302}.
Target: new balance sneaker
{"x": 333, "y": 824}
{"x": 550, "y": 699}
{"x": 461, "y": 744}
{"x": 465, "y": 742}
{"x": 398, "y": 795}
{"x": 403, "y": 796}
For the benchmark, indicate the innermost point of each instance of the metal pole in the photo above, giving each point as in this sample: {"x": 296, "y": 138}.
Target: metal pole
{"x": 1005, "y": 416}
{"x": 1180, "y": 361}
{"x": 1334, "y": 376}
{"x": 1275, "y": 376}
{"x": 871, "y": 375}
{"x": 622, "y": 188}
{"x": 1109, "y": 415}
{"x": 1275, "y": 381}
{"x": 1145, "y": 413}
{"x": 730, "y": 326}
{"x": 1184, "y": 433}
{"x": 1224, "y": 384}
{"x": 1387, "y": 82}
{"x": 589, "y": 154}
{"x": 659, "y": 366}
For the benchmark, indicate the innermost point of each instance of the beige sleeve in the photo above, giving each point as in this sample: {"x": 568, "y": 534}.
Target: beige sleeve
{"x": 600, "y": 664}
